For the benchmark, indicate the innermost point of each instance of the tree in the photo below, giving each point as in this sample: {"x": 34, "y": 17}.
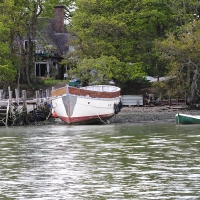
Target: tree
{"x": 7, "y": 60}
{"x": 20, "y": 18}
{"x": 101, "y": 70}
{"x": 123, "y": 29}
{"x": 182, "y": 52}
{"x": 183, "y": 10}
{"x": 7, "y": 72}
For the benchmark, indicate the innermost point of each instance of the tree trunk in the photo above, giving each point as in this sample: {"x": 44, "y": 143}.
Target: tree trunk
{"x": 28, "y": 79}
{"x": 18, "y": 78}
{"x": 191, "y": 97}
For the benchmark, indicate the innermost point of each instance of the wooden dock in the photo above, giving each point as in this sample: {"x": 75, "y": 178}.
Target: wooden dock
{"x": 20, "y": 111}
{"x": 4, "y": 109}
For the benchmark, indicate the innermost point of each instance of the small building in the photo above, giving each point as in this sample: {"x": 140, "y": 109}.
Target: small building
{"x": 132, "y": 100}
{"x": 51, "y": 43}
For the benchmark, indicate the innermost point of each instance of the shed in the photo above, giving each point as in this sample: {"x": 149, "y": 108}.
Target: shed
{"x": 132, "y": 100}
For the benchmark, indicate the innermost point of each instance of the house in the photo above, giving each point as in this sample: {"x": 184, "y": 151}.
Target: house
{"x": 50, "y": 45}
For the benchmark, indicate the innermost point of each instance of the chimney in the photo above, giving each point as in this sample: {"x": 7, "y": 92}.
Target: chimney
{"x": 59, "y": 19}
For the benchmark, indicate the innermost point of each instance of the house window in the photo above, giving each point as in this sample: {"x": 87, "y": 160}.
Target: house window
{"x": 25, "y": 44}
{"x": 41, "y": 69}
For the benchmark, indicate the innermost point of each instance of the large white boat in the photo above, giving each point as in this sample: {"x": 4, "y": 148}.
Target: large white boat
{"x": 86, "y": 105}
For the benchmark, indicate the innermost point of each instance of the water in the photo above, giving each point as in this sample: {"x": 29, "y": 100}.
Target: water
{"x": 148, "y": 161}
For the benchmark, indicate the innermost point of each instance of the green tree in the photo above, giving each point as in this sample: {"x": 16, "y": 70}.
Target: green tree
{"x": 183, "y": 10}
{"x": 7, "y": 72}
{"x": 101, "y": 70}
{"x": 7, "y": 59}
{"x": 123, "y": 29}
{"x": 177, "y": 53}
{"x": 20, "y": 18}
{"x": 182, "y": 52}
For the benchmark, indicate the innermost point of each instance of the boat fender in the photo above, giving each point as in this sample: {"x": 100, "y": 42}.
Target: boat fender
{"x": 54, "y": 115}
{"x": 120, "y": 106}
{"x": 49, "y": 105}
{"x": 116, "y": 108}
{"x": 39, "y": 115}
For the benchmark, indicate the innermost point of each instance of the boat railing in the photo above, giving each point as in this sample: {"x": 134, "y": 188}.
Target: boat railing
{"x": 101, "y": 88}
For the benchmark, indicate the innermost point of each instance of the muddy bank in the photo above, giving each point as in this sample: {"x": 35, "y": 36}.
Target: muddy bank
{"x": 139, "y": 115}
{"x": 150, "y": 114}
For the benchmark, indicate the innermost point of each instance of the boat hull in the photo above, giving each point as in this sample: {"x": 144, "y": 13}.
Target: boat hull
{"x": 187, "y": 119}
{"x": 79, "y": 109}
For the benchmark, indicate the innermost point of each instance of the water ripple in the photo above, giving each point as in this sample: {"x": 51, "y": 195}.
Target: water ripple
{"x": 100, "y": 162}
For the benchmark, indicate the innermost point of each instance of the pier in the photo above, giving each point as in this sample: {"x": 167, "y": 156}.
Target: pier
{"x": 16, "y": 110}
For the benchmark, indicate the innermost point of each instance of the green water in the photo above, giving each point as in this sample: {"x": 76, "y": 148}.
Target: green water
{"x": 128, "y": 161}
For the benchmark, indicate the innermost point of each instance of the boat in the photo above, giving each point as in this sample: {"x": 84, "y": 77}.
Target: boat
{"x": 187, "y": 119}
{"x": 86, "y": 105}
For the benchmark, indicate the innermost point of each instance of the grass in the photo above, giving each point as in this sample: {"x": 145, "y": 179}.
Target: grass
{"x": 54, "y": 81}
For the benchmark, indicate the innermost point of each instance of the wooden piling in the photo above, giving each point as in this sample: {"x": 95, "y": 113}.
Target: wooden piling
{"x": 48, "y": 96}
{"x": 24, "y": 108}
{"x": 1, "y": 94}
{"x": 41, "y": 96}
{"x": 17, "y": 99}
{"x": 37, "y": 94}
{"x": 10, "y": 102}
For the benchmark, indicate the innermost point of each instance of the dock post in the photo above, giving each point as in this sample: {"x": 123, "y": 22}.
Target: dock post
{"x": 41, "y": 96}
{"x": 1, "y": 94}
{"x": 47, "y": 106}
{"x": 24, "y": 98}
{"x": 24, "y": 108}
{"x": 9, "y": 89}
{"x": 17, "y": 99}
{"x": 10, "y": 102}
{"x": 37, "y": 97}
{"x": 48, "y": 95}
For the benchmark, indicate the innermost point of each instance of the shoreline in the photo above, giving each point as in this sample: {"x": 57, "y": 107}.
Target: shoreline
{"x": 160, "y": 114}
{"x": 142, "y": 115}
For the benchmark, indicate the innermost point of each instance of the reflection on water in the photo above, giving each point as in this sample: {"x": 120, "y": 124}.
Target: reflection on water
{"x": 100, "y": 162}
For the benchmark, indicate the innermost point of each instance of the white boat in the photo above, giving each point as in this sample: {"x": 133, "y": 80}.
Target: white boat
{"x": 86, "y": 105}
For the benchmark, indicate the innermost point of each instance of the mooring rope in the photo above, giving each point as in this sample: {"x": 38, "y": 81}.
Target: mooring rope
{"x": 101, "y": 120}
{"x": 2, "y": 120}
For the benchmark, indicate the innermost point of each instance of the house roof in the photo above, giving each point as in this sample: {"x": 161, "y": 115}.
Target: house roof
{"x": 46, "y": 35}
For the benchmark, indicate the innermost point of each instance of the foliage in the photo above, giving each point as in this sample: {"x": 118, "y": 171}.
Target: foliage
{"x": 7, "y": 71}
{"x": 122, "y": 29}
{"x": 182, "y": 52}
{"x": 104, "y": 69}
{"x": 110, "y": 39}
{"x": 50, "y": 81}
{"x": 184, "y": 11}
{"x": 20, "y": 18}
